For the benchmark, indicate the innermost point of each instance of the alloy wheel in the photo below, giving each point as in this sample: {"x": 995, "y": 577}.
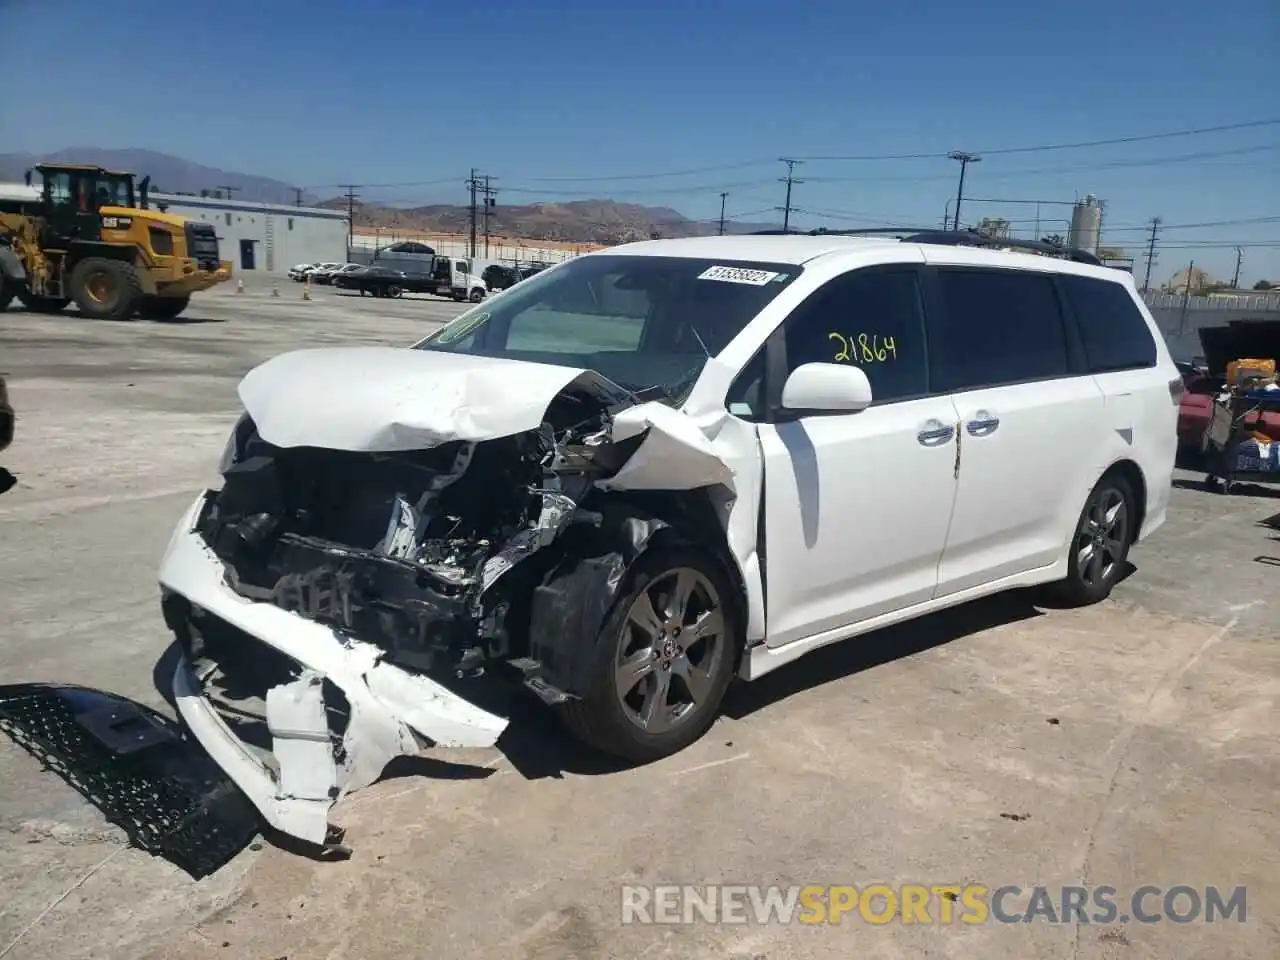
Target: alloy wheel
{"x": 670, "y": 649}
{"x": 1103, "y": 537}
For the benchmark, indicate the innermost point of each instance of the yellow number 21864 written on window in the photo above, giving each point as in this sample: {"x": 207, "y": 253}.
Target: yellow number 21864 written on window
{"x": 864, "y": 348}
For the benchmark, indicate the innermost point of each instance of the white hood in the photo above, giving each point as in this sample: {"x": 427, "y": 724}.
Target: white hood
{"x": 385, "y": 399}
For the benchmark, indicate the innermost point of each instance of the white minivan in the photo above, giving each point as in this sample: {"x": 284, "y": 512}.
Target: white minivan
{"x": 647, "y": 471}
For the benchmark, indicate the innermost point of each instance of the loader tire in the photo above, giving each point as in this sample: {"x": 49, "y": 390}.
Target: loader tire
{"x": 162, "y": 308}
{"x": 106, "y": 289}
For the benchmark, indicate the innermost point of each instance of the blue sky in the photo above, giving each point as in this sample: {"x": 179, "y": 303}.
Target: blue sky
{"x": 410, "y": 93}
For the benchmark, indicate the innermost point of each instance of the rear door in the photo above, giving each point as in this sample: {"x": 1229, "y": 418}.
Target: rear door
{"x": 1032, "y": 421}
{"x": 1139, "y": 382}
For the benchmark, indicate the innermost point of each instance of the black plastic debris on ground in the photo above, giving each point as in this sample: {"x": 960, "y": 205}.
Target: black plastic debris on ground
{"x": 134, "y": 765}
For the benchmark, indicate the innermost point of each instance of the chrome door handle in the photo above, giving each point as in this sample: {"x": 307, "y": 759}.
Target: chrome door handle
{"x": 982, "y": 424}
{"x": 935, "y": 433}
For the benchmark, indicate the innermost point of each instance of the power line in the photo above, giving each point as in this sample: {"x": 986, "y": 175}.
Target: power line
{"x": 1079, "y": 144}
{"x": 997, "y": 151}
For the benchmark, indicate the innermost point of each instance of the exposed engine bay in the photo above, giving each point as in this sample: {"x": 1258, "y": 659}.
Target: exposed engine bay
{"x": 419, "y": 552}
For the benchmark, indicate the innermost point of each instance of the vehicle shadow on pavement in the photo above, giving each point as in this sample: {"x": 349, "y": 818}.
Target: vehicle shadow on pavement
{"x": 848, "y": 657}
{"x": 7, "y": 480}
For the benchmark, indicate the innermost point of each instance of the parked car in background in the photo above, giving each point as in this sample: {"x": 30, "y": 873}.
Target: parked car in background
{"x": 500, "y": 276}
{"x": 298, "y": 271}
{"x": 380, "y": 281}
{"x": 323, "y": 273}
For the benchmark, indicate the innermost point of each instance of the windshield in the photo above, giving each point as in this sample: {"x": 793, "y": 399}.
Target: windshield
{"x": 640, "y": 321}
{"x": 113, "y": 191}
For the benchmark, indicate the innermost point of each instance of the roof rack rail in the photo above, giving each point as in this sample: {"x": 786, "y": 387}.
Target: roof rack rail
{"x": 953, "y": 238}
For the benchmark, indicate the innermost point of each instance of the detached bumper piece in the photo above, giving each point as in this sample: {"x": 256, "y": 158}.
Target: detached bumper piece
{"x": 329, "y": 712}
{"x": 132, "y": 764}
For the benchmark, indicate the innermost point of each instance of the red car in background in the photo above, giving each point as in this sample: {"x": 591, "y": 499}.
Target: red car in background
{"x": 1196, "y": 409}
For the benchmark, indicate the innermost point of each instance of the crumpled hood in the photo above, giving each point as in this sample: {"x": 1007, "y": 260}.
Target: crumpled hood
{"x": 387, "y": 399}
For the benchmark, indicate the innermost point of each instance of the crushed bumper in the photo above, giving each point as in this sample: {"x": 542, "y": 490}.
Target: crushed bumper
{"x": 389, "y": 712}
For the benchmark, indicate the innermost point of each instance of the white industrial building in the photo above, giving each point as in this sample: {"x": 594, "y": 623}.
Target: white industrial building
{"x": 270, "y": 237}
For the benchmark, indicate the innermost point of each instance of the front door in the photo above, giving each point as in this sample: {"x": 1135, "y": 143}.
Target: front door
{"x": 247, "y": 254}
{"x": 857, "y": 505}
{"x": 1032, "y": 421}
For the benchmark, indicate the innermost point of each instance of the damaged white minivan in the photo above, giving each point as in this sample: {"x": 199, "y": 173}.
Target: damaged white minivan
{"x": 645, "y": 471}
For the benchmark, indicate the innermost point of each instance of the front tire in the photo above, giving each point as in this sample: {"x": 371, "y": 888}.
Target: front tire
{"x": 477, "y": 295}
{"x": 1099, "y": 548}
{"x": 106, "y": 289}
{"x": 662, "y": 661}
{"x": 162, "y": 308}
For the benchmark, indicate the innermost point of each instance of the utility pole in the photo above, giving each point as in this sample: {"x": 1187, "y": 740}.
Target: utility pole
{"x": 789, "y": 179}
{"x": 351, "y": 196}
{"x": 473, "y": 184}
{"x": 1186, "y": 297}
{"x": 489, "y": 204}
{"x": 227, "y": 190}
{"x": 965, "y": 159}
{"x": 723, "y": 197}
{"x": 1151, "y": 253}
{"x": 1235, "y": 281}
{"x": 297, "y": 196}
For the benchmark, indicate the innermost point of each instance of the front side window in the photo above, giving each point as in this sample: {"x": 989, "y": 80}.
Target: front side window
{"x": 640, "y": 321}
{"x": 998, "y": 326}
{"x": 871, "y": 319}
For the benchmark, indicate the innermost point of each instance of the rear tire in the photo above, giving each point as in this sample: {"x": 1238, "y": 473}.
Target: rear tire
{"x": 477, "y": 295}
{"x": 394, "y": 291}
{"x": 106, "y": 289}
{"x": 1099, "y": 548}
{"x": 646, "y": 640}
{"x": 43, "y": 304}
{"x": 162, "y": 308}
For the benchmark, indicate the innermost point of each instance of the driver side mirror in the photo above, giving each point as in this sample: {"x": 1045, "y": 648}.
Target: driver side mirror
{"x": 826, "y": 389}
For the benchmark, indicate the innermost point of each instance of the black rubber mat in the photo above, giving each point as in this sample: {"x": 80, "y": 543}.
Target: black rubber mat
{"x": 136, "y": 767}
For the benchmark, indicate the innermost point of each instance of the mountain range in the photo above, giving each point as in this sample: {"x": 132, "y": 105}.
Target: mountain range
{"x": 580, "y": 221}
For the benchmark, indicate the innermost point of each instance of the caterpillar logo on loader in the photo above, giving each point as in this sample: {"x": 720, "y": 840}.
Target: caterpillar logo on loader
{"x": 82, "y": 237}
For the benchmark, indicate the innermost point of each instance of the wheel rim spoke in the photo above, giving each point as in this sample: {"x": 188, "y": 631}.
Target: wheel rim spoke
{"x": 634, "y": 669}
{"x": 643, "y": 616}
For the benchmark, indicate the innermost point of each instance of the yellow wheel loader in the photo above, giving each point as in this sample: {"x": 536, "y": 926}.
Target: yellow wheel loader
{"x": 82, "y": 237}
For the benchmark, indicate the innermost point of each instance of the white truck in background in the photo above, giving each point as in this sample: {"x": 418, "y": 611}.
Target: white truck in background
{"x": 458, "y": 277}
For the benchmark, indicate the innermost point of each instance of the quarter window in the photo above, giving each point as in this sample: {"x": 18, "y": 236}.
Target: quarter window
{"x": 871, "y": 319}
{"x": 1113, "y": 331}
{"x": 998, "y": 326}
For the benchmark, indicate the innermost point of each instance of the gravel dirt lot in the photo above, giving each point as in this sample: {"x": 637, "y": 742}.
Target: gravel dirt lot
{"x": 1132, "y": 743}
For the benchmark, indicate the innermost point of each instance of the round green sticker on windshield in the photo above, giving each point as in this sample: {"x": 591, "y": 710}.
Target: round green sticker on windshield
{"x": 458, "y": 328}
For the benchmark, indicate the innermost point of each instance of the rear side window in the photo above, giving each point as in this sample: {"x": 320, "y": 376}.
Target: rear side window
{"x": 1114, "y": 332}
{"x": 998, "y": 326}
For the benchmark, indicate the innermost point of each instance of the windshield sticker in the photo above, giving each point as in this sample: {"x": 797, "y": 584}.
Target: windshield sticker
{"x": 460, "y": 327}
{"x": 757, "y": 278}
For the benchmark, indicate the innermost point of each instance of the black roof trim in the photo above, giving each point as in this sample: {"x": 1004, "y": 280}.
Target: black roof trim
{"x": 949, "y": 238}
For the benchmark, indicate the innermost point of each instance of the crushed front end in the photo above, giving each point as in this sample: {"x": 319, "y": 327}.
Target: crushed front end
{"x": 328, "y": 601}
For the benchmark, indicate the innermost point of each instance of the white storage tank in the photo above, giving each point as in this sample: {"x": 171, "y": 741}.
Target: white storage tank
{"x": 1086, "y": 224}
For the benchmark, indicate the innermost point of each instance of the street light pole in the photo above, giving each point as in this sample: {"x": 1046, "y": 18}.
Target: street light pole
{"x": 965, "y": 159}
